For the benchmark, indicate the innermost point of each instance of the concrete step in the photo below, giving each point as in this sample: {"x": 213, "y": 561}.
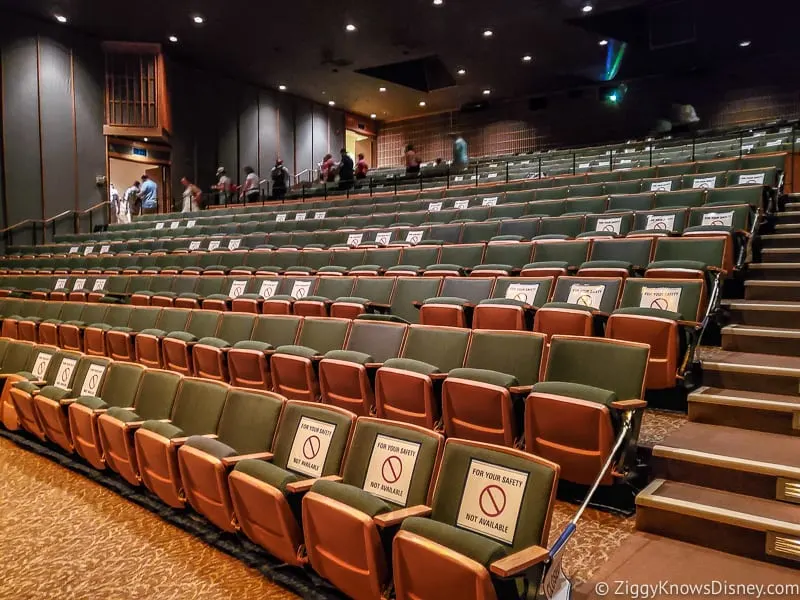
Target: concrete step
{"x": 787, "y": 271}
{"x": 761, "y": 340}
{"x": 645, "y": 559}
{"x": 780, "y": 255}
{"x": 786, "y": 217}
{"x": 763, "y": 313}
{"x": 787, "y": 228}
{"x": 765, "y": 530}
{"x": 743, "y": 461}
{"x": 780, "y": 239}
{"x": 751, "y": 372}
{"x": 757, "y": 411}
{"x": 772, "y": 289}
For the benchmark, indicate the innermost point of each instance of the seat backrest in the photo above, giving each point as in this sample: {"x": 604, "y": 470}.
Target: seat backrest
{"x": 297, "y": 287}
{"x": 62, "y": 369}
{"x": 530, "y": 290}
{"x": 599, "y": 293}
{"x": 683, "y": 296}
{"x": 335, "y": 287}
{"x": 324, "y": 334}
{"x": 471, "y": 289}
{"x": 203, "y": 323}
{"x": 118, "y": 315}
{"x": 156, "y": 394}
{"x": 312, "y": 438}
{"x": 144, "y": 317}
{"x": 746, "y": 194}
{"x": 380, "y": 340}
{"x": 516, "y": 255}
{"x": 413, "y": 289}
{"x": 516, "y": 353}
{"x": 464, "y": 255}
{"x": 420, "y": 256}
{"x": 51, "y": 310}
{"x": 568, "y": 225}
{"x": 198, "y": 406}
{"x": 18, "y": 355}
{"x": 621, "y": 370}
{"x": 174, "y": 319}
{"x": 90, "y": 376}
{"x": 642, "y": 201}
{"x": 249, "y": 420}
{"x": 636, "y": 251}
{"x": 120, "y": 386}
{"x": 71, "y": 311}
{"x": 393, "y": 461}
{"x": 733, "y": 217}
{"x": 709, "y": 250}
{"x": 572, "y": 252}
{"x": 680, "y": 198}
{"x": 443, "y": 347}
{"x": 661, "y": 220}
{"x": 478, "y": 232}
{"x": 276, "y": 330}
{"x": 209, "y": 285}
{"x": 235, "y": 327}
{"x": 500, "y": 493}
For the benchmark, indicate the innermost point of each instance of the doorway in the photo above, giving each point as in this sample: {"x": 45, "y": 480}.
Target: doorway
{"x": 358, "y": 143}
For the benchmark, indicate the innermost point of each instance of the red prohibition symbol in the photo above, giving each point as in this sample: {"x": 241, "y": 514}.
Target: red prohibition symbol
{"x": 311, "y": 447}
{"x": 492, "y": 501}
{"x": 392, "y": 469}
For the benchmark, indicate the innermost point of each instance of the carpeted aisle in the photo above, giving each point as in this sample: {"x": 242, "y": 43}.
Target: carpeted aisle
{"x": 64, "y": 536}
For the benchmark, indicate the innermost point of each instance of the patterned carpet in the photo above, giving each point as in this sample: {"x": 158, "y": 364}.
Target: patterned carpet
{"x": 65, "y": 536}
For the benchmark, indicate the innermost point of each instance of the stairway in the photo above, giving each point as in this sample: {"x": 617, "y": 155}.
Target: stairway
{"x": 729, "y": 479}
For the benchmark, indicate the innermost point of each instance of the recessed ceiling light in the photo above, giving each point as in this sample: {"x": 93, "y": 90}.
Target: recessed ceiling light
{"x": 198, "y": 19}
{"x": 61, "y": 18}
{"x": 381, "y": 89}
{"x": 373, "y": 116}
{"x": 423, "y": 103}
{"x": 282, "y": 88}
{"x": 587, "y": 8}
{"x": 173, "y": 39}
{"x": 745, "y": 43}
{"x": 603, "y": 42}
{"x": 487, "y": 33}
{"x": 462, "y": 71}
{"x": 527, "y": 58}
{"x": 438, "y": 2}
{"x": 350, "y": 27}
{"x": 145, "y": 139}
{"x": 331, "y": 103}
{"x": 486, "y": 92}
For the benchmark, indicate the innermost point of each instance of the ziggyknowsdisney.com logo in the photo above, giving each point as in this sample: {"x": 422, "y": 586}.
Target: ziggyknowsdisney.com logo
{"x": 668, "y": 589}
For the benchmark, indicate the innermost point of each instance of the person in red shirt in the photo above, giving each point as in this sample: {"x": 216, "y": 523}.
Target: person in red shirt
{"x": 327, "y": 171}
{"x": 362, "y": 168}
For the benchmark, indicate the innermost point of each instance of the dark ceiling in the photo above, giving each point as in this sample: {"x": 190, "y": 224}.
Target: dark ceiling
{"x": 303, "y": 44}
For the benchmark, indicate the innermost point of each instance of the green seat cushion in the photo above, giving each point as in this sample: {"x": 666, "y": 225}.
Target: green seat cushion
{"x": 223, "y": 297}
{"x": 303, "y": 351}
{"x": 445, "y": 267}
{"x": 167, "y": 430}
{"x": 568, "y": 306}
{"x": 411, "y": 268}
{"x": 353, "y": 300}
{"x": 103, "y": 326}
{"x": 281, "y": 297}
{"x": 126, "y": 416}
{"x": 694, "y": 265}
{"x": 472, "y": 545}
{"x": 315, "y": 299}
{"x": 351, "y": 496}
{"x": 350, "y": 356}
{"x": 251, "y": 297}
{"x": 368, "y": 268}
{"x": 167, "y": 294}
{"x": 190, "y": 296}
{"x": 26, "y": 386}
{"x": 607, "y": 264}
{"x": 547, "y": 264}
{"x": 485, "y": 376}
{"x": 183, "y": 336}
{"x": 504, "y": 301}
{"x": 649, "y": 312}
{"x": 576, "y": 390}
{"x": 214, "y": 341}
{"x": 54, "y": 393}
{"x": 154, "y": 332}
{"x": 110, "y": 300}
{"x": 122, "y": 329}
{"x": 696, "y": 228}
{"x": 297, "y": 269}
{"x": 494, "y": 267}
{"x": 93, "y": 402}
{"x": 252, "y": 345}
{"x": 268, "y": 473}
{"x": 333, "y": 269}
{"x": 211, "y": 446}
{"x": 75, "y": 323}
{"x": 447, "y": 300}
{"x": 409, "y": 364}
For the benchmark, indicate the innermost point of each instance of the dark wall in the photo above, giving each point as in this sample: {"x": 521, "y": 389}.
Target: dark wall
{"x": 219, "y": 122}
{"x": 52, "y": 121}
{"x": 761, "y": 89}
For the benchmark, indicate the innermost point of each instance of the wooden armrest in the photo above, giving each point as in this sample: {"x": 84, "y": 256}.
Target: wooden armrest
{"x": 67, "y": 401}
{"x": 230, "y": 461}
{"x": 379, "y": 306}
{"x": 521, "y": 389}
{"x": 133, "y": 424}
{"x": 180, "y": 441}
{"x": 519, "y": 562}
{"x": 597, "y": 313}
{"x": 628, "y": 404}
{"x": 396, "y": 517}
{"x": 301, "y": 487}
{"x": 714, "y": 269}
{"x": 689, "y": 324}
{"x": 38, "y": 382}
{"x": 373, "y": 365}
{"x": 438, "y": 376}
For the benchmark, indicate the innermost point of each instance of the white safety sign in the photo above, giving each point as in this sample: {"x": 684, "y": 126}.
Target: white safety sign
{"x": 268, "y": 288}
{"x": 93, "y": 379}
{"x": 312, "y": 440}
{"x": 524, "y": 292}
{"x": 237, "y": 289}
{"x": 613, "y": 225}
{"x": 191, "y": 223}
{"x": 383, "y": 238}
{"x": 280, "y": 217}
{"x": 661, "y": 186}
{"x": 300, "y": 217}
{"x": 662, "y": 298}
{"x": 174, "y": 225}
{"x": 234, "y": 244}
{"x": 751, "y": 178}
{"x": 354, "y": 239}
{"x": 64, "y": 375}
{"x": 213, "y": 244}
{"x": 435, "y": 206}
{"x": 489, "y": 201}
{"x": 88, "y": 250}
{"x": 492, "y": 500}
{"x": 105, "y": 249}
{"x": 390, "y": 468}
{"x": 461, "y": 204}
{"x": 414, "y": 237}
{"x": 660, "y": 222}
{"x": 159, "y": 226}
{"x": 40, "y": 365}
{"x": 79, "y": 284}
{"x": 718, "y": 219}
{"x": 61, "y": 283}
{"x": 320, "y": 214}
{"x": 704, "y": 183}
{"x": 99, "y": 284}
{"x": 586, "y": 295}
{"x": 300, "y": 289}
{"x": 74, "y": 249}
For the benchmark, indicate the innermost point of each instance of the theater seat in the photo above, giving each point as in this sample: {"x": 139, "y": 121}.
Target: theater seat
{"x": 389, "y": 467}
{"x": 19, "y": 359}
{"x": 118, "y": 390}
{"x": 53, "y": 402}
{"x": 245, "y": 431}
{"x": 461, "y": 545}
{"x": 197, "y": 411}
{"x": 248, "y": 361}
{"x": 266, "y": 492}
{"x": 116, "y": 427}
{"x": 573, "y": 416}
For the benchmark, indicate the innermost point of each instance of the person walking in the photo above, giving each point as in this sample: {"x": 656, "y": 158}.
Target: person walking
{"x": 223, "y": 186}
{"x": 191, "y": 196}
{"x": 460, "y": 153}
{"x": 127, "y": 203}
{"x": 346, "y": 171}
{"x": 412, "y": 163}
{"x": 280, "y": 180}
{"x": 148, "y": 195}
{"x": 251, "y": 190}
{"x": 362, "y": 168}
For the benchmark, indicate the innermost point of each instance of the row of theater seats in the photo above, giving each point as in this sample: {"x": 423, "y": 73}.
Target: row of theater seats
{"x": 311, "y": 483}
{"x": 510, "y": 205}
{"x": 714, "y": 248}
